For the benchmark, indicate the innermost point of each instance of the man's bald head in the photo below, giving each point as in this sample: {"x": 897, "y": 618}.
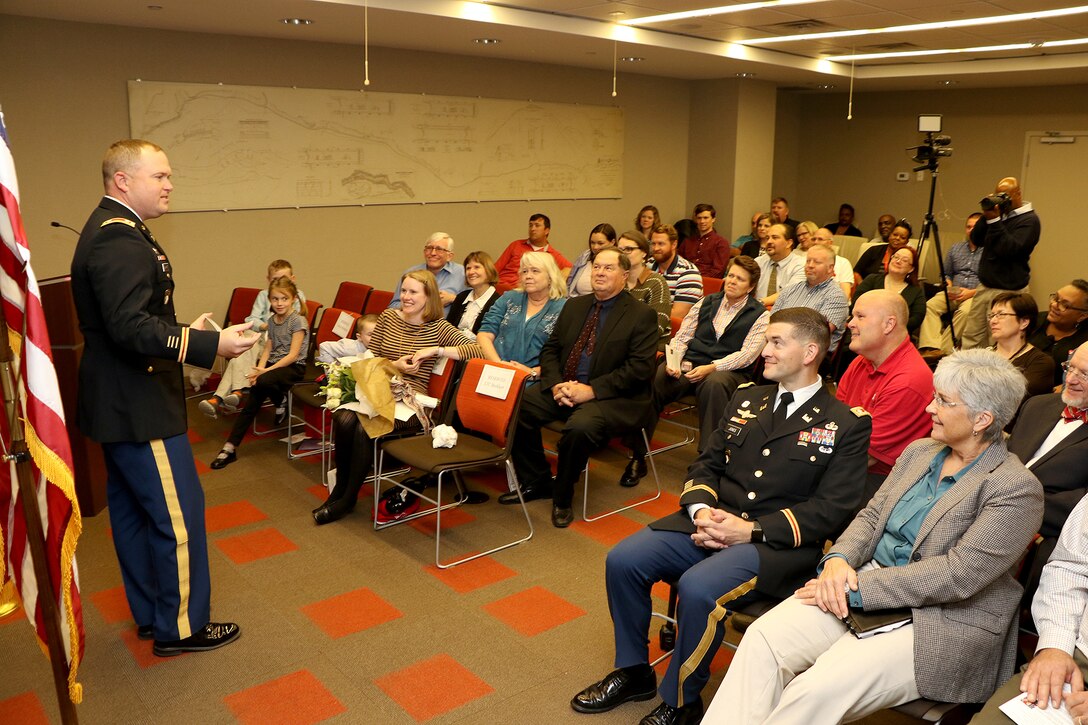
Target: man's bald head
{"x": 878, "y": 324}
{"x": 1009, "y": 185}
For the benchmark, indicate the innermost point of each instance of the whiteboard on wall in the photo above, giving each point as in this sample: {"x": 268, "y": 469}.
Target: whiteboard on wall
{"x": 249, "y": 147}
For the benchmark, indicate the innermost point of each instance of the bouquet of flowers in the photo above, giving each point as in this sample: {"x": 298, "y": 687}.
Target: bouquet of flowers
{"x": 339, "y": 387}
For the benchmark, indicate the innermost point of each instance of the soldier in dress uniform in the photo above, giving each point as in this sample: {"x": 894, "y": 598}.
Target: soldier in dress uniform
{"x": 131, "y": 400}
{"x": 782, "y": 473}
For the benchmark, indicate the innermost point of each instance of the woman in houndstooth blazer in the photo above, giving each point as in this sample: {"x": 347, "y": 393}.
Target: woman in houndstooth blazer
{"x": 939, "y": 538}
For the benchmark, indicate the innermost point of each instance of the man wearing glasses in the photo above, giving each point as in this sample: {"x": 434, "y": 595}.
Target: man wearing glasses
{"x": 1063, "y": 327}
{"x": 438, "y": 260}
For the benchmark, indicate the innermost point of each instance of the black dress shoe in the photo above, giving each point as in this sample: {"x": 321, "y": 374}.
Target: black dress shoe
{"x": 224, "y": 459}
{"x": 530, "y": 492}
{"x": 666, "y": 714}
{"x": 616, "y": 688}
{"x": 562, "y": 517}
{"x": 212, "y": 636}
{"x": 145, "y": 631}
{"x": 636, "y": 469}
{"x": 333, "y": 511}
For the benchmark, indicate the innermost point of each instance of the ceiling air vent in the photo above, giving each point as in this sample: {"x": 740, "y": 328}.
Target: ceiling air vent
{"x": 810, "y": 25}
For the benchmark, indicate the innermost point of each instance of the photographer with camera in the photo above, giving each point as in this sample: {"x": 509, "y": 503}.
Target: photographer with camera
{"x": 1007, "y": 235}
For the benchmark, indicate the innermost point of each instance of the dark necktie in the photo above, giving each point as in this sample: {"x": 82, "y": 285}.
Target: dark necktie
{"x": 779, "y": 416}
{"x": 1071, "y": 413}
{"x": 772, "y": 282}
{"x": 587, "y": 338}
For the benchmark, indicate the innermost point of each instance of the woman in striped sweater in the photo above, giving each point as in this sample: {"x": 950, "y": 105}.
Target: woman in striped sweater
{"x": 412, "y": 338}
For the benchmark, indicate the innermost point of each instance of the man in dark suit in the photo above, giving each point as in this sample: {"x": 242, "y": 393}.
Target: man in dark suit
{"x": 595, "y": 373}
{"x": 131, "y": 400}
{"x": 780, "y": 475}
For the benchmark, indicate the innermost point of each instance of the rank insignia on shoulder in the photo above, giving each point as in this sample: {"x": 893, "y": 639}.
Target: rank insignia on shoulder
{"x": 748, "y": 384}
{"x": 860, "y": 412}
{"x": 832, "y": 425}
{"x": 118, "y": 219}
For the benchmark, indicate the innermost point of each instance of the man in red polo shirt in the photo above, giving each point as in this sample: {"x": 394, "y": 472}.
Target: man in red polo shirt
{"x": 509, "y": 261}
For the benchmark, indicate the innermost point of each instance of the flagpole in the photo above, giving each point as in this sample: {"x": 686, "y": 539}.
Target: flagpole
{"x": 47, "y": 598}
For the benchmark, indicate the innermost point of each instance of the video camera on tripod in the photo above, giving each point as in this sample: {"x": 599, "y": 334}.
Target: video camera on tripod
{"x": 936, "y": 144}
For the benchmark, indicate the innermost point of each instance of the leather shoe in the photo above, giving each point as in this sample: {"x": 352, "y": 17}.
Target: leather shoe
{"x": 224, "y": 459}
{"x": 145, "y": 631}
{"x": 616, "y": 688}
{"x": 212, "y": 636}
{"x": 333, "y": 511}
{"x": 530, "y": 492}
{"x": 636, "y": 469}
{"x": 562, "y": 517}
{"x": 666, "y": 714}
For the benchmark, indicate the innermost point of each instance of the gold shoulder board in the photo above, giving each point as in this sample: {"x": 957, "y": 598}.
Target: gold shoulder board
{"x": 745, "y": 385}
{"x": 117, "y": 219}
{"x": 860, "y": 412}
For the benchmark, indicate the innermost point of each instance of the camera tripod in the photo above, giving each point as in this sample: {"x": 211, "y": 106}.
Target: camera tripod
{"x": 930, "y": 227}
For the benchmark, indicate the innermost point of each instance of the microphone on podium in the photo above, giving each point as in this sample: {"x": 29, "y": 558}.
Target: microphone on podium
{"x": 55, "y": 223}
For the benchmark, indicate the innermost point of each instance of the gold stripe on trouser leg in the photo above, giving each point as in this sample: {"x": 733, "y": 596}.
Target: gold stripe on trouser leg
{"x": 712, "y": 621}
{"x": 181, "y": 533}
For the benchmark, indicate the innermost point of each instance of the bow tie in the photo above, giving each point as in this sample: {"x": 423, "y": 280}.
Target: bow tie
{"x": 1070, "y": 414}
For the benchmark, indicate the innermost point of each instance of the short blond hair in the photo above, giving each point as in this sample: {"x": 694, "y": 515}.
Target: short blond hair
{"x": 123, "y": 155}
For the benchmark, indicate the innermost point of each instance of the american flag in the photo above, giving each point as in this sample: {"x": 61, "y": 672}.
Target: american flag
{"x": 40, "y": 408}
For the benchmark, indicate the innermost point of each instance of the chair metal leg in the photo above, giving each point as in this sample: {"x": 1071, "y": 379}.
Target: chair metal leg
{"x": 511, "y": 477}
{"x": 585, "y": 493}
{"x": 291, "y": 453}
{"x": 689, "y": 431}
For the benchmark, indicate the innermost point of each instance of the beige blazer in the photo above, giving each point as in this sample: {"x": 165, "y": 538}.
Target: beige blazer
{"x": 958, "y": 581}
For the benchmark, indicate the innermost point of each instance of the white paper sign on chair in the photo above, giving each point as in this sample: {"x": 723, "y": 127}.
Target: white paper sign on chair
{"x": 343, "y": 326}
{"x": 495, "y": 382}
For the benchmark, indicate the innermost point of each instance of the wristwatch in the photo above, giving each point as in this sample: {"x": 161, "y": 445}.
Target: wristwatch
{"x": 757, "y": 533}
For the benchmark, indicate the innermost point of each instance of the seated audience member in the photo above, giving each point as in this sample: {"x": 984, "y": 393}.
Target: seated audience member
{"x": 412, "y": 337}
{"x": 647, "y": 219}
{"x": 874, "y": 260}
{"x": 520, "y": 322}
{"x": 888, "y": 378}
{"x": 961, "y": 278}
{"x": 845, "y": 226}
{"x": 709, "y": 251}
{"x": 685, "y": 282}
{"x": 235, "y": 380}
{"x": 685, "y": 229}
{"x": 718, "y": 343}
{"x": 646, "y": 285}
{"x": 1060, "y": 611}
{"x": 753, "y": 518}
{"x": 779, "y": 268}
{"x": 844, "y": 271}
{"x": 579, "y": 281}
{"x": 884, "y": 225}
{"x": 1064, "y": 325}
{"x": 1012, "y": 319}
{"x": 332, "y": 350}
{"x": 819, "y": 291}
{"x": 755, "y": 247}
{"x": 780, "y": 212}
{"x": 438, "y": 260}
{"x": 803, "y": 237}
{"x": 468, "y": 308}
{"x": 940, "y": 538}
{"x": 595, "y": 371}
{"x": 743, "y": 239}
{"x": 509, "y": 261}
{"x": 901, "y": 278}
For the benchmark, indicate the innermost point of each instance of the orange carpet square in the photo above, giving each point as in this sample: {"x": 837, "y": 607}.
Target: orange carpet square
{"x": 351, "y": 612}
{"x": 533, "y": 611}
{"x": 202, "y": 468}
{"x": 433, "y": 687}
{"x": 255, "y": 545}
{"x": 721, "y": 660}
{"x": 450, "y": 519}
{"x": 229, "y": 515}
{"x": 668, "y": 503}
{"x": 471, "y": 575}
{"x": 112, "y": 605}
{"x": 25, "y": 709}
{"x": 297, "y": 698}
{"x": 608, "y": 531}
{"x": 141, "y": 649}
{"x": 318, "y": 491}
{"x": 194, "y": 437}
{"x": 660, "y": 590}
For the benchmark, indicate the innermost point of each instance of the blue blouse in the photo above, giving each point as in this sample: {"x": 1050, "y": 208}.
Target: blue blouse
{"x": 516, "y": 338}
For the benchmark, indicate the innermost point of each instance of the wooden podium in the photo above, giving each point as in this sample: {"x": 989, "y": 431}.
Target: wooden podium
{"x": 67, "y": 344}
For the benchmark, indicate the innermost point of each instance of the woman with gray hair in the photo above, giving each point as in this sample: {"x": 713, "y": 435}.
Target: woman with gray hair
{"x": 937, "y": 541}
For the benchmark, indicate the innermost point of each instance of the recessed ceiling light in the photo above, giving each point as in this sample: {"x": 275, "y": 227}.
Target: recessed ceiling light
{"x": 745, "y": 75}
{"x": 823, "y": 86}
{"x": 486, "y": 41}
{"x": 948, "y": 82}
{"x": 632, "y": 59}
{"x": 616, "y": 14}
{"x": 297, "y": 21}
{"x": 154, "y": 7}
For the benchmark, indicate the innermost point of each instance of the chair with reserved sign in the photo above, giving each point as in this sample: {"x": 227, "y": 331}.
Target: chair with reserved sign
{"x": 484, "y": 411}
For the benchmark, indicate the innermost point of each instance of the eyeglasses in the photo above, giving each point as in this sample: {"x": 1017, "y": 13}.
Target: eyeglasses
{"x": 1064, "y": 306}
{"x": 943, "y": 402}
{"x": 627, "y": 250}
{"x": 1074, "y": 372}
{"x": 993, "y": 315}
{"x": 430, "y": 249}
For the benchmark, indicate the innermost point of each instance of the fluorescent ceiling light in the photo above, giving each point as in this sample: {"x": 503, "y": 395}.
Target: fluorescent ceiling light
{"x": 950, "y": 51}
{"x": 943, "y": 25}
{"x": 722, "y": 10}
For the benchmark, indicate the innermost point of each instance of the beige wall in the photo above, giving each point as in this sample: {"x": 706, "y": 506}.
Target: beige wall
{"x": 64, "y": 99}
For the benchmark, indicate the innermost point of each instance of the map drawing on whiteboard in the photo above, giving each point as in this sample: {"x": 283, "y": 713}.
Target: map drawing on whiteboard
{"x": 247, "y": 147}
